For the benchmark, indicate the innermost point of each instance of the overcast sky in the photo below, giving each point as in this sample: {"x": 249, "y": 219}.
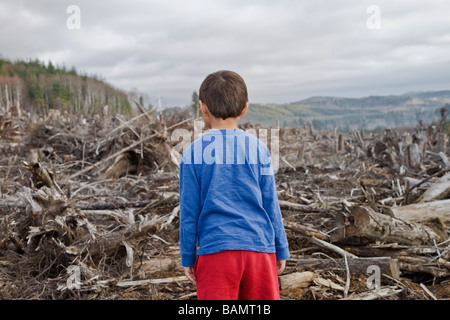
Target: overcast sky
{"x": 286, "y": 50}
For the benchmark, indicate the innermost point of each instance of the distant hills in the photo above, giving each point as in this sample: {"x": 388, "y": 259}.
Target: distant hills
{"x": 36, "y": 87}
{"x": 365, "y": 113}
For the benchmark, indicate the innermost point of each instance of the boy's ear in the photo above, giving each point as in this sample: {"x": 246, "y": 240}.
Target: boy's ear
{"x": 244, "y": 110}
{"x": 203, "y": 108}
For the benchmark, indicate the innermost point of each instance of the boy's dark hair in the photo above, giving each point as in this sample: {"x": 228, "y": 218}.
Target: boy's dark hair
{"x": 224, "y": 93}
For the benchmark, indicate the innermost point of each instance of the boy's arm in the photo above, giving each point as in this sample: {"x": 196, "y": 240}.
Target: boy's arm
{"x": 272, "y": 207}
{"x": 189, "y": 212}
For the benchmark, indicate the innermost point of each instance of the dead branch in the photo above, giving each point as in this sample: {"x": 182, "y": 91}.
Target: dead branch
{"x": 375, "y": 294}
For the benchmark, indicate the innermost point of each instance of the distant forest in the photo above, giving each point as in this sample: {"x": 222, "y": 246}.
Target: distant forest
{"x": 36, "y": 87}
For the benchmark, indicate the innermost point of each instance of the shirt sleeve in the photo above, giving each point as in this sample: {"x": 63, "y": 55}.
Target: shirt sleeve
{"x": 189, "y": 210}
{"x": 272, "y": 207}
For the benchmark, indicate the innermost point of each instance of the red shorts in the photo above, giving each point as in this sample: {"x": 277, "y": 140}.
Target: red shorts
{"x": 237, "y": 275}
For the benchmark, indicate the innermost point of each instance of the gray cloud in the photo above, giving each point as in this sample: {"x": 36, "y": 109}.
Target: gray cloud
{"x": 286, "y": 50}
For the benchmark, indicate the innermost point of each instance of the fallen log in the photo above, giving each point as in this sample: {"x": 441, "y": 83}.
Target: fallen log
{"x": 156, "y": 264}
{"x": 438, "y": 191}
{"x": 363, "y": 226}
{"x": 425, "y": 265}
{"x": 390, "y": 250}
{"x": 296, "y": 280}
{"x": 434, "y": 271}
{"x": 387, "y": 265}
{"x": 419, "y": 212}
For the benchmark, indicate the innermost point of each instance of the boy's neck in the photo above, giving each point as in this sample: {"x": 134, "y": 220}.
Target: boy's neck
{"x": 220, "y": 124}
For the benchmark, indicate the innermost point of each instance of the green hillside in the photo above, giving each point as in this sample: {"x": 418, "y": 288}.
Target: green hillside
{"x": 37, "y": 87}
{"x": 366, "y": 113}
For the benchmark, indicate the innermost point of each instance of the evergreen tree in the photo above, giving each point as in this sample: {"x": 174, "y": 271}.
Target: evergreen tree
{"x": 50, "y": 68}
{"x": 195, "y": 105}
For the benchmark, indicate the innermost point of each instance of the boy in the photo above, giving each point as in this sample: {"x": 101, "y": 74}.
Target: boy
{"x": 229, "y": 202}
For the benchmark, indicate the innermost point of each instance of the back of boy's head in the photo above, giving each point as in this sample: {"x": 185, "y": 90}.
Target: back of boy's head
{"x": 224, "y": 93}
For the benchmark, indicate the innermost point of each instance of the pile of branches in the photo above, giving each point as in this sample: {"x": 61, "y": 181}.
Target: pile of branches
{"x": 85, "y": 203}
{"x": 90, "y": 209}
{"x": 356, "y": 202}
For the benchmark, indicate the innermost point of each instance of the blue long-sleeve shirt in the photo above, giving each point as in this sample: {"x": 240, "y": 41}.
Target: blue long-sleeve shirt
{"x": 228, "y": 198}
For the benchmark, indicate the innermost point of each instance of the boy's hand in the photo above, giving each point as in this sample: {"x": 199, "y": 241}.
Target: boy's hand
{"x": 281, "y": 264}
{"x": 189, "y": 272}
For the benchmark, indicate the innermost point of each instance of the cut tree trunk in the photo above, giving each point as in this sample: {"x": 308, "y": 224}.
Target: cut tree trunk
{"x": 420, "y": 212}
{"x": 363, "y": 226}
{"x": 442, "y": 142}
{"x": 413, "y": 156}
